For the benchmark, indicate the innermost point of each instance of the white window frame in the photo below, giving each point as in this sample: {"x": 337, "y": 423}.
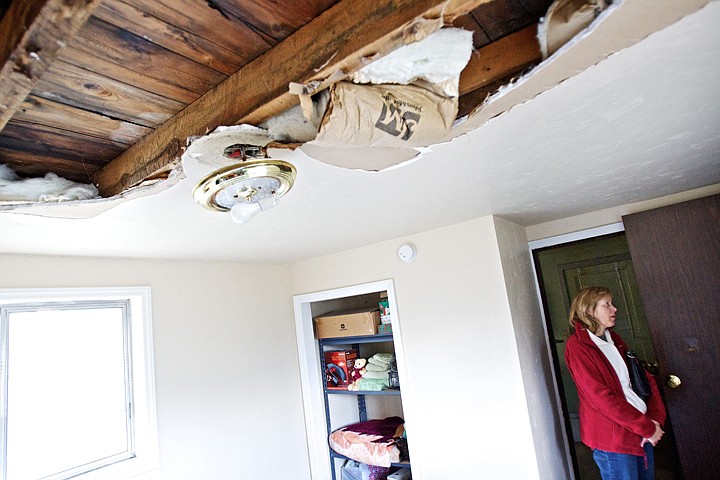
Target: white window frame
{"x": 146, "y": 454}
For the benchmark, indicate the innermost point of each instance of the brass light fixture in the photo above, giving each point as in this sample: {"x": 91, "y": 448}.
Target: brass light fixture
{"x": 246, "y": 188}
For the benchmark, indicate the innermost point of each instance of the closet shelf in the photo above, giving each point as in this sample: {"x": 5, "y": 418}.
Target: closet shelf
{"x": 391, "y": 391}
{"x": 356, "y": 340}
{"x": 334, "y": 454}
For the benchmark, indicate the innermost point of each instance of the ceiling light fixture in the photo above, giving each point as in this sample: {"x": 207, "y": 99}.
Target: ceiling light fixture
{"x": 246, "y": 188}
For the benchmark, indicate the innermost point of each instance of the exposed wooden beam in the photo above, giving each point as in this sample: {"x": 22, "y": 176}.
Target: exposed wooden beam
{"x": 498, "y": 60}
{"x": 339, "y": 41}
{"x": 32, "y": 32}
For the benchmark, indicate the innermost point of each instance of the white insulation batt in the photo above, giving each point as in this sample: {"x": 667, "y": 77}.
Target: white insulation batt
{"x": 50, "y": 188}
{"x": 438, "y": 59}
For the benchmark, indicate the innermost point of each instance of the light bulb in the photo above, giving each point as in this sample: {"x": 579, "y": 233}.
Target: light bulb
{"x": 244, "y": 212}
{"x": 267, "y": 202}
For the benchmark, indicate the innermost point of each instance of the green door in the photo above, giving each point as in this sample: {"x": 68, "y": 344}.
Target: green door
{"x": 604, "y": 261}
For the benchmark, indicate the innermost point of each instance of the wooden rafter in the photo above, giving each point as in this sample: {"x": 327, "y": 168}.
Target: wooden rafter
{"x": 32, "y": 32}
{"x": 338, "y": 41}
{"x": 501, "y": 59}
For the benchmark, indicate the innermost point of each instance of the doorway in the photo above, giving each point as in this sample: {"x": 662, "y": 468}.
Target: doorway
{"x": 562, "y": 270}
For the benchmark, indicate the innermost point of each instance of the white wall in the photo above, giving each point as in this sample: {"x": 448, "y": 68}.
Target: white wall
{"x": 227, "y": 381}
{"x": 464, "y": 399}
{"x": 532, "y": 342}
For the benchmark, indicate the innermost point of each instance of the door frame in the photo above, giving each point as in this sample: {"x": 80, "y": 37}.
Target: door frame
{"x": 549, "y": 242}
{"x": 310, "y": 371}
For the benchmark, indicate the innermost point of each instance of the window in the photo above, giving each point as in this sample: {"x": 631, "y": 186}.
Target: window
{"x": 76, "y": 384}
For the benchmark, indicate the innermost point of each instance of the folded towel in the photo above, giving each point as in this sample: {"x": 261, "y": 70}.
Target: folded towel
{"x": 372, "y": 384}
{"x": 371, "y": 367}
{"x": 385, "y": 357}
{"x": 380, "y": 363}
{"x": 376, "y": 375}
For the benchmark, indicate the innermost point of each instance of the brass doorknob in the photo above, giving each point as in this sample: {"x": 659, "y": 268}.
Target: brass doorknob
{"x": 673, "y": 381}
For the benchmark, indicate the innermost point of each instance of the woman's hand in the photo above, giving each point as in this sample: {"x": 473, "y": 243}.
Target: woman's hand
{"x": 655, "y": 436}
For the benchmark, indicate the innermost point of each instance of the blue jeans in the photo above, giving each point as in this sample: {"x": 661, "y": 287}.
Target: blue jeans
{"x": 620, "y": 466}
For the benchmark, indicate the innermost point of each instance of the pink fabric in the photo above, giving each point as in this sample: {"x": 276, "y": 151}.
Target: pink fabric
{"x": 372, "y": 442}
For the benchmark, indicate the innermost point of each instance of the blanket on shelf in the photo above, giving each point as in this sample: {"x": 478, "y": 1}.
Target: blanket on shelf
{"x": 372, "y": 442}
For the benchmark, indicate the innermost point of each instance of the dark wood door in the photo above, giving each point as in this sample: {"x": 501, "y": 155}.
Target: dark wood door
{"x": 562, "y": 271}
{"x": 676, "y": 253}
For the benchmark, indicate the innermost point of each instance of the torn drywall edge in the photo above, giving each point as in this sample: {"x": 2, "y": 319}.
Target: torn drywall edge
{"x": 79, "y": 209}
{"x": 619, "y": 27}
{"x": 368, "y": 159}
{"x": 207, "y": 151}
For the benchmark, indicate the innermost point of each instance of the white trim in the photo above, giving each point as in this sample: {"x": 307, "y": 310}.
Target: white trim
{"x": 574, "y": 236}
{"x": 310, "y": 375}
{"x": 147, "y": 459}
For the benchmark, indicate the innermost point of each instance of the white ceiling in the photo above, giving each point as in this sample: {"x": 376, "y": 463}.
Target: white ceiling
{"x": 642, "y": 124}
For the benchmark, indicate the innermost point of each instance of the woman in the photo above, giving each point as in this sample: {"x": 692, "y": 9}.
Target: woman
{"x": 616, "y": 423}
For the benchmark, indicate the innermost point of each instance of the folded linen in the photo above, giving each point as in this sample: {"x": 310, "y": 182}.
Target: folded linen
{"x": 384, "y": 357}
{"x": 380, "y": 363}
{"x": 382, "y": 375}
{"x": 371, "y": 367}
{"x": 372, "y": 384}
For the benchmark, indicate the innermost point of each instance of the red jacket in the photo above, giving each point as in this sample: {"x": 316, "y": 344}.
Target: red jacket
{"x": 607, "y": 421}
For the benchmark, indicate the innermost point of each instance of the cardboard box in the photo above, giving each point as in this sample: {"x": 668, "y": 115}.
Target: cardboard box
{"x": 338, "y": 365}
{"x": 348, "y": 323}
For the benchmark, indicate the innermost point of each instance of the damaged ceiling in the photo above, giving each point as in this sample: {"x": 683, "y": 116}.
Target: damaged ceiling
{"x": 108, "y": 91}
{"x": 627, "y": 114}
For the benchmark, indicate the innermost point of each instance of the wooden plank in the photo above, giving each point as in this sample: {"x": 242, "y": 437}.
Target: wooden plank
{"x": 34, "y": 165}
{"x": 46, "y": 112}
{"x": 500, "y": 59}
{"x": 502, "y": 17}
{"x": 536, "y": 8}
{"x": 56, "y": 143}
{"x": 134, "y": 53}
{"x": 468, "y": 22}
{"x": 32, "y": 32}
{"x": 472, "y": 100}
{"x": 68, "y": 84}
{"x": 215, "y": 27}
{"x": 276, "y": 20}
{"x": 108, "y": 69}
{"x": 185, "y": 43}
{"x": 336, "y": 41}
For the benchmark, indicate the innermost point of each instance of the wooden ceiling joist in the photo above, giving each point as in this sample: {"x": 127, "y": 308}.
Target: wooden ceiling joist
{"x": 501, "y": 59}
{"x": 32, "y": 32}
{"x": 339, "y": 40}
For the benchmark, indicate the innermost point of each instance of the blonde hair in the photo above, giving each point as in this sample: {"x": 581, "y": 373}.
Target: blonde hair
{"x": 586, "y": 299}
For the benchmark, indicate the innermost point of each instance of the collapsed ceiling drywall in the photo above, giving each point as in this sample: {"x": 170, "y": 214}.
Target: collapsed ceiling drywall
{"x": 640, "y": 126}
{"x": 610, "y": 33}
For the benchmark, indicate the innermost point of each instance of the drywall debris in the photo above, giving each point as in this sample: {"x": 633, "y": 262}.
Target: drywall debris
{"x": 50, "y": 188}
